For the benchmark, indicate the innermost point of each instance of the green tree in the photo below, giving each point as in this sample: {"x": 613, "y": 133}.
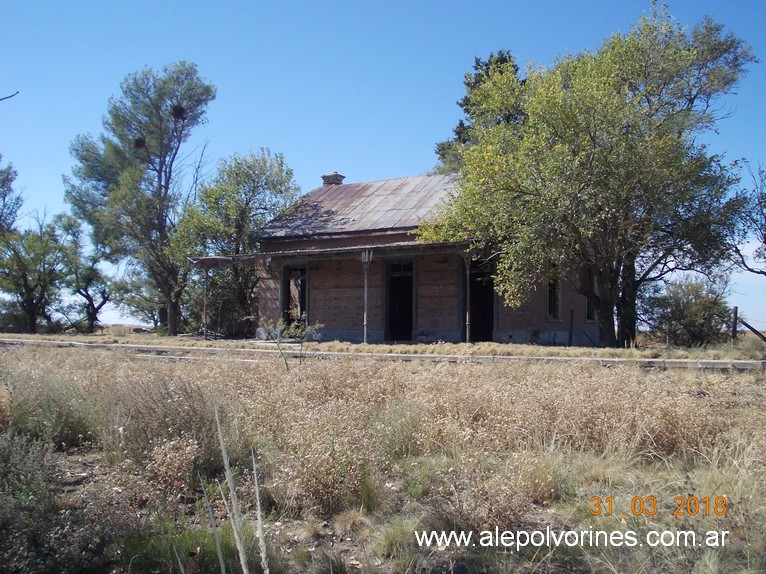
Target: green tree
{"x": 753, "y": 226}
{"x": 227, "y": 218}
{"x": 689, "y": 311}
{"x": 10, "y": 200}
{"x": 136, "y": 295}
{"x": 449, "y": 152}
{"x": 83, "y": 275}
{"x": 31, "y": 270}
{"x": 601, "y": 179}
{"x": 127, "y": 184}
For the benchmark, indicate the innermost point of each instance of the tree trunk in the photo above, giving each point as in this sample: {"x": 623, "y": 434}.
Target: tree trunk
{"x": 162, "y": 317}
{"x": 174, "y": 317}
{"x": 605, "y": 313}
{"x": 91, "y": 318}
{"x": 598, "y": 287}
{"x": 31, "y": 317}
{"x": 91, "y": 313}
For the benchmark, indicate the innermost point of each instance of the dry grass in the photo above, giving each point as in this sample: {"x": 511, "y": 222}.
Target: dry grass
{"x": 444, "y": 445}
{"x": 748, "y": 347}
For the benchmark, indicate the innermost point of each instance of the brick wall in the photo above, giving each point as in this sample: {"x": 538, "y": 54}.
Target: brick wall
{"x": 336, "y": 294}
{"x": 336, "y": 300}
{"x": 268, "y": 298}
{"x": 438, "y": 297}
{"x": 530, "y": 323}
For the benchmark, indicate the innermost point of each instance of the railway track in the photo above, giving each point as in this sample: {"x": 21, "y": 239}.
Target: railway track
{"x": 293, "y": 352}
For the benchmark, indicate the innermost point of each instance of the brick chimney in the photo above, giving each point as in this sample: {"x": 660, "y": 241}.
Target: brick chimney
{"x": 333, "y": 178}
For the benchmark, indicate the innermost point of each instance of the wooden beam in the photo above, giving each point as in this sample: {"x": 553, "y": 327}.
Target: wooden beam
{"x": 753, "y": 329}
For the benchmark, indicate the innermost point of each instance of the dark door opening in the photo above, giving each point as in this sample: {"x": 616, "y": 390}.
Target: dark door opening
{"x": 294, "y": 288}
{"x": 400, "y": 302}
{"x": 482, "y": 295}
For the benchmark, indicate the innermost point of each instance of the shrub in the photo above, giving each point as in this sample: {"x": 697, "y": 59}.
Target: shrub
{"x": 25, "y": 470}
{"x": 51, "y": 410}
{"x": 5, "y": 409}
{"x": 173, "y": 463}
{"x": 163, "y": 414}
{"x": 154, "y": 550}
{"x": 689, "y": 312}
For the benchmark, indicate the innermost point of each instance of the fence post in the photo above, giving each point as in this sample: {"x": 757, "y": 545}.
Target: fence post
{"x": 734, "y": 326}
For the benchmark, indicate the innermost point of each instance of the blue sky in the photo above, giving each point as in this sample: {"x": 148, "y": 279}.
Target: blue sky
{"x": 366, "y": 89}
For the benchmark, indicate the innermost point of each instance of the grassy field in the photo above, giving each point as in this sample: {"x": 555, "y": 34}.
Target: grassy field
{"x": 748, "y": 348}
{"x": 355, "y": 456}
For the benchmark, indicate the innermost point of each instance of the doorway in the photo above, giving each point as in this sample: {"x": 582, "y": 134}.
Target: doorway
{"x": 482, "y": 304}
{"x": 294, "y": 295}
{"x": 399, "y": 301}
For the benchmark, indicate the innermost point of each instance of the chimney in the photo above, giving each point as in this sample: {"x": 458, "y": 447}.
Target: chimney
{"x": 333, "y": 178}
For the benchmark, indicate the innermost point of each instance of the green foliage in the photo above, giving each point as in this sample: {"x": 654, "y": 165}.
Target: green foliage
{"x": 227, "y": 219}
{"x": 126, "y": 185}
{"x": 31, "y": 271}
{"x": 501, "y": 66}
{"x": 591, "y": 169}
{"x": 136, "y": 295}
{"x": 83, "y": 275}
{"x": 53, "y": 411}
{"x": 690, "y": 312}
{"x": 327, "y": 563}
{"x": 155, "y": 550}
{"x": 753, "y": 221}
{"x": 25, "y": 470}
{"x": 10, "y": 200}
{"x": 296, "y": 330}
{"x": 38, "y": 534}
{"x": 248, "y": 191}
{"x": 395, "y": 539}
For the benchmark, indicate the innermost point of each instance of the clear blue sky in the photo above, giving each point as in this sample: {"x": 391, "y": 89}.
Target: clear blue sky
{"x": 366, "y": 89}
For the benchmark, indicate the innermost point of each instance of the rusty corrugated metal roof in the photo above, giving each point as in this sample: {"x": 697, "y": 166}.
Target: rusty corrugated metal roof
{"x": 389, "y": 204}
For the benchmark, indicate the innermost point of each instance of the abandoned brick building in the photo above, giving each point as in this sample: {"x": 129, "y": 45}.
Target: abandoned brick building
{"x": 346, "y": 258}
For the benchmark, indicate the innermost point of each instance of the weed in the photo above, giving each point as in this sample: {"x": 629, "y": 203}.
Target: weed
{"x": 325, "y": 563}
{"x": 351, "y": 521}
{"x": 464, "y": 446}
{"x": 50, "y": 409}
{"x": 25, "y": 470}
{"x": 396, "y": 538}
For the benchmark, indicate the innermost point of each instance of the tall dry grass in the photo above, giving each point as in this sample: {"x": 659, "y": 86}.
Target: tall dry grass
{"x": 748, "y": 347}
{"x": 450, "y": 445}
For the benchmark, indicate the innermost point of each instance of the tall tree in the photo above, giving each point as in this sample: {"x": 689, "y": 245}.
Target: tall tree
{"x": 31, "y": 269}
{"x": 601, "y": 178}
{"x": 82, "y": 273}
{"x": 10, "y": 200}
{"x": 449, "y": 152}
{"x": 135, "y": 294}
{"x": 753, "y": 222}
{"x": 247, "y": 192}
{"x": 127, "y": 184}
